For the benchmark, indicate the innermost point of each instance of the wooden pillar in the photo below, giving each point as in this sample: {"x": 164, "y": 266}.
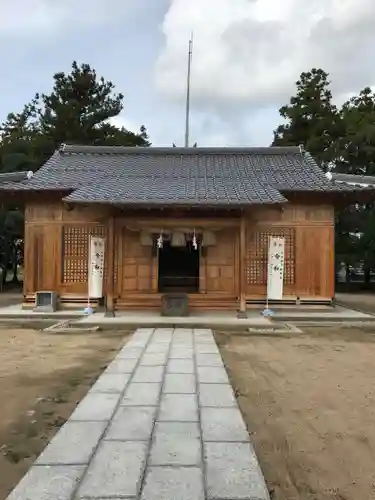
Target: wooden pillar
{"x": 110, "y": 281}
{"x": 242, "y": 269}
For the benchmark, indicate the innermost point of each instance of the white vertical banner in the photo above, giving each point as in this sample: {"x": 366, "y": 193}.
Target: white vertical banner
{"x": 275, "y": 268}
{"x": 96, "y": 267}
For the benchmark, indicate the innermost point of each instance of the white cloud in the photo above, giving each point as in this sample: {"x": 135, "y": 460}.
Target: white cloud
{"x": 21, "y": 18}
{"x": 251, "y": 52}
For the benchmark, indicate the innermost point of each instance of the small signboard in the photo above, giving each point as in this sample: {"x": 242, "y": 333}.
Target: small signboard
{"x": 96, "y": 267}
{"x": 275, "y": 268}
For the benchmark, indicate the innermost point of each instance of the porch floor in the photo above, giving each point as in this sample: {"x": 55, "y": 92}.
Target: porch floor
{"x": 209, "y": 319}
{"x": 161, "y": 422}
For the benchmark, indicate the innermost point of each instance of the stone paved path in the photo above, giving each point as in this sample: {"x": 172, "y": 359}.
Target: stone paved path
{"x": 161, "y": 423}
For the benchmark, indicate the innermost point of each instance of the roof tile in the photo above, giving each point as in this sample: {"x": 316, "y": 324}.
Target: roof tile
{"x": 193, "y": 176}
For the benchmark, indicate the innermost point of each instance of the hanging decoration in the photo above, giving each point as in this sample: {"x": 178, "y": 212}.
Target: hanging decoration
{"x": 159, "y": 241}
{"x": 194, "y": 241}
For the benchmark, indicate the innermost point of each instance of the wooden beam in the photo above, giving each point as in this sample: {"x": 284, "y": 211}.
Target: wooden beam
{"x": 242, "y": 269}
{"x": 110, "y": 281}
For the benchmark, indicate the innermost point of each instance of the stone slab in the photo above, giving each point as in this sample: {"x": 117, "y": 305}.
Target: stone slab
{"x": 232, "y": 472}
{"x": 179, "y": 383}
{"x": 141, "y": 394}
{"x": 116, "y": 470}
{"x": 96, "y": 407}
{"x": 173, "y": 483}
{"x": 162, "y": 337}
{"x": 121, "y": 366}
{"x": 212, "y": 359}
{"x": 181, "y": 353}
{"x": 176, "y": 443}
{"x": 132, "y": 423}
{"x": 180, "y": 366}
{"x": 48, "y": 482}
{"x": 74, "y": 444}
{"x": 223, "y": 424}
{"x": 110, "y": 383}
{"x": 149, "y": 374}
{"x": 154, "y": 359}
{"x": 216, "y": 395}
{"x": 130, "y": 352}
{"x": 156, "y": 348}
{"x": 212, "y": 375}
{"x": 178, "y": 408}
{"x": 206, "y": 348}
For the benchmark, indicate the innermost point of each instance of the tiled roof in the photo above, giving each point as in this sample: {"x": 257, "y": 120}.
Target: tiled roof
{"x": 353, "y": 179}
{"x": 186, "y": 176}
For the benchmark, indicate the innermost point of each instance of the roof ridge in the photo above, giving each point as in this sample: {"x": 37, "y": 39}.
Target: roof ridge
{"x": 152, "y": 150}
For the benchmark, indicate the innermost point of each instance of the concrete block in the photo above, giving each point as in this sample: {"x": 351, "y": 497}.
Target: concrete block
{"x": 173, "y": 483}
{"x": 74, "y": 444}
{"x": 182, "y": 345}
{"x": 205, "y": 339}
{"x": 206, "y": 348}
{"x": 162, "y": 336}
{"x": 111, "y": 383}
{"x": 202, "y": 331}
{"x": 157, "y": 348}
{"x": 130, "y": 352}
{"x": 209, "y": 359}
{"x": 181, "y": 353}
{"x": 212, "y": 375}
{"x": 132, "y": 423}
{"x": 232, "y": 471}
{"x": 141, "y": 394}
{"x": 121, "y": 366}
{"x": 116, "y": 470}
{"x": 179, "y": 383}
{"x": 48, "y": 482}
{"x": 149, "y": 374}
{"x": 223, "y": 424}
{"x": 96, "y": 407}
{"x": 176, "y": 443}
{"x": 180, "y": 366}
{"x": 178, "y": 408}
{"x": 144, "y": 331}
{"x": 216, "y": 395}
{"x": 154, "y": 359}
{"x": 137, "y": 342}
{"x": 181, "y": 332}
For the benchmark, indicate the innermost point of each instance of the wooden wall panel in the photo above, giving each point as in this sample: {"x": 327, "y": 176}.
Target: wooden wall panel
{"x": 43, "y": 212}
{"x": 221, "y": 276}
{"x": 309, "y": 265}
{"x": 293, "y": 215}
{"x": 42, "y": 258}
{"x": 315, "y": 263}
{"x": 136, "y": 263}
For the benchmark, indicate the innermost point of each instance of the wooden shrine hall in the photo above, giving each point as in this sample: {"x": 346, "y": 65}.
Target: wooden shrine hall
{"x": 195, "y": 221}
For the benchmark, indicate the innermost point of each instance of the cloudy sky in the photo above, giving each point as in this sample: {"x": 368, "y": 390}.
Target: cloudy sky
{"x": 247, "y": 56}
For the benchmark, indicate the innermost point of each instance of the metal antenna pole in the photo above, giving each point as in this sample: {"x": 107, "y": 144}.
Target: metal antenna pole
{"x": 187, "y": 124}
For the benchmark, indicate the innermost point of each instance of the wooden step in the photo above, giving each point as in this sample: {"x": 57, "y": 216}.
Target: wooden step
{"x": 196, "y": 303}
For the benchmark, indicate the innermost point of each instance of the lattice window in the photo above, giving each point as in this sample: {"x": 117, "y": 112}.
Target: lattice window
{"x": 257, "y": 255}
{"x": 76, "y": 251}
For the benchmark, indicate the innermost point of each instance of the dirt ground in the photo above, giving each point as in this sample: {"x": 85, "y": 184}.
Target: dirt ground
{"x": 309, "y": 403}
{"x": 42, "y": 378}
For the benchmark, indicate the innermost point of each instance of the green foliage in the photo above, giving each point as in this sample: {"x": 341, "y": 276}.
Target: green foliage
{"x": 340, "y": 138}
{"x": 310, "y": 118}
{"x": 78, "y": 110}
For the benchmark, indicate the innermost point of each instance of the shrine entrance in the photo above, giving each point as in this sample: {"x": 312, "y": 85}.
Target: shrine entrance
{"x": 178, "y": 269}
